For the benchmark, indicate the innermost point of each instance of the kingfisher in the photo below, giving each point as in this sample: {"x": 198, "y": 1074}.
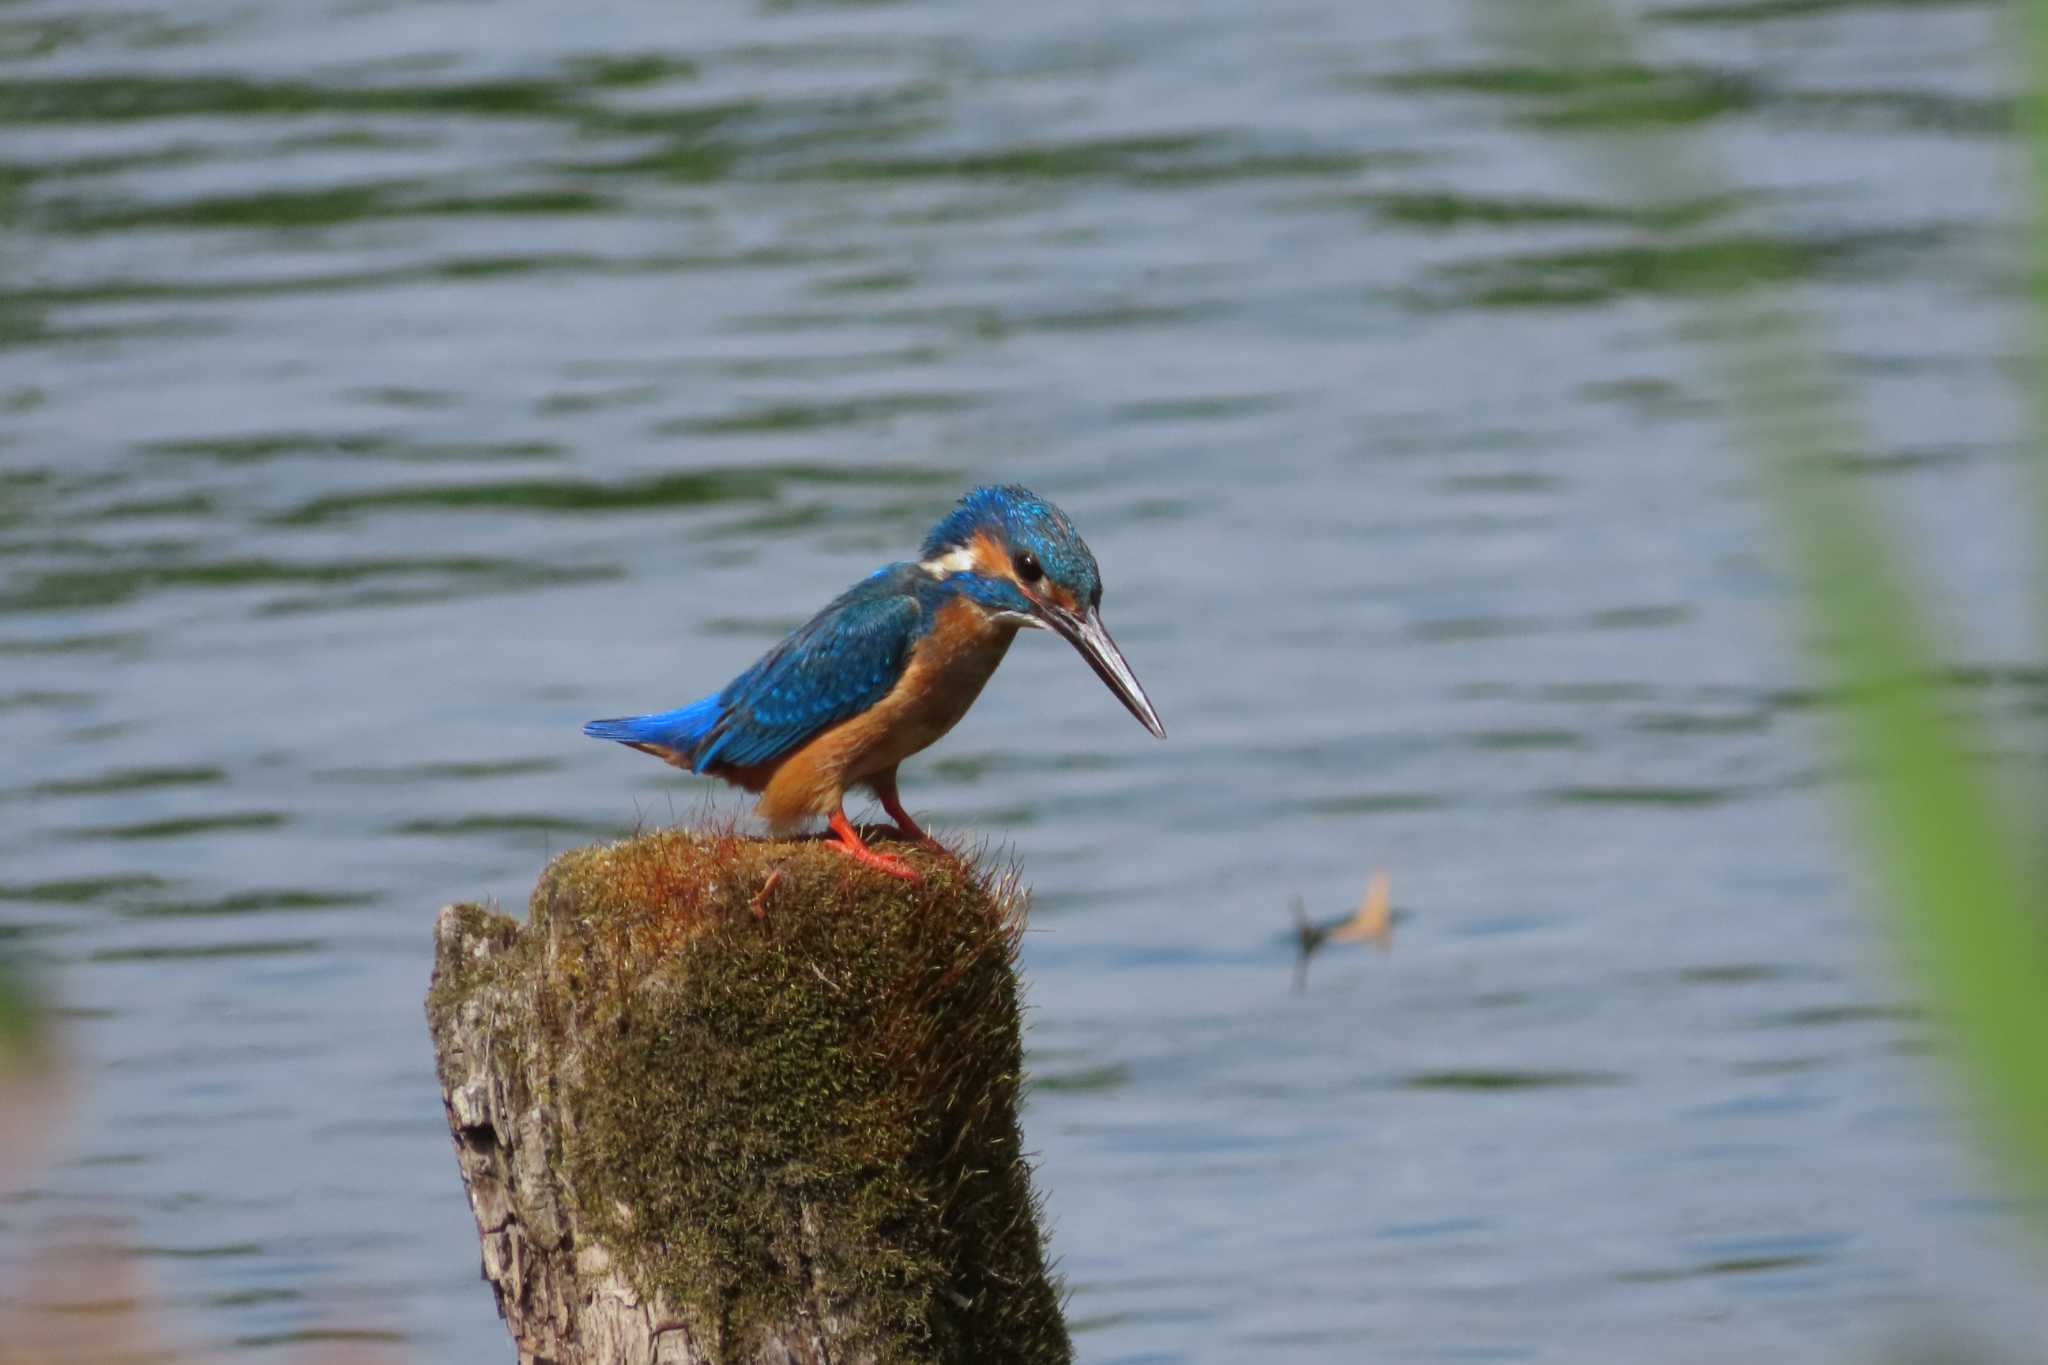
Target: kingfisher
{"x": 889, "y": 666}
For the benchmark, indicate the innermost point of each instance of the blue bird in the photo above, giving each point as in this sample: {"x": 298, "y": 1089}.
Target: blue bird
{"x": 890, "y": 665}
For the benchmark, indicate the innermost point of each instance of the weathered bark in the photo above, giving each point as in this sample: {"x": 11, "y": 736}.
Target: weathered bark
{"x": 698, "y": 1129}
{"x": 561, "y": 1296}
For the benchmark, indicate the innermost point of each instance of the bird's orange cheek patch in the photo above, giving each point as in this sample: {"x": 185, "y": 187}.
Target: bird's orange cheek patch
{"x": 989, "y": 559}
{"x": 1061, "y": 598}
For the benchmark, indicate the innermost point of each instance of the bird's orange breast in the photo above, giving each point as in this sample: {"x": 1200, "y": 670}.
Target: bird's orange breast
{"x": 947, "y": 670}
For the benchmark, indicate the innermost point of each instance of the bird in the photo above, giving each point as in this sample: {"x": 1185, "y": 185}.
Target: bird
{"x": 889, "y": 666}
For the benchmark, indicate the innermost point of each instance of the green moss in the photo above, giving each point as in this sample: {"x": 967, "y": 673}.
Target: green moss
{"x": 812, "y": 1099}
{"x": 461, "y": 976}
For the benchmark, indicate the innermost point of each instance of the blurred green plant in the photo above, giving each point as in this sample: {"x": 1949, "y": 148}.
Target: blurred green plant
{"x": 1953, "y": 850}
{"x": 18, "y": 1014}
{"x": 84, "y": 1297}
{"x": 32, "y": 1077}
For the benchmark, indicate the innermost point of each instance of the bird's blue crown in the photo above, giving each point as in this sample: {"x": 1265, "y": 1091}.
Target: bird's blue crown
{"x": 1024, "y": 524}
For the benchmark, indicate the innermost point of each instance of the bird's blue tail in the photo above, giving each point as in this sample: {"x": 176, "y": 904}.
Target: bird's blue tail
{"x": 681, "y": 729}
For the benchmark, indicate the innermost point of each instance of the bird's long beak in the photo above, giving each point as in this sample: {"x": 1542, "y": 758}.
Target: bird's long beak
{"x": 1084, "y": 631}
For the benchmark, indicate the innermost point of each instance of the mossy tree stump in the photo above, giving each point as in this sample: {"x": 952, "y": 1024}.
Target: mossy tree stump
{"x": 699, "y": 1123}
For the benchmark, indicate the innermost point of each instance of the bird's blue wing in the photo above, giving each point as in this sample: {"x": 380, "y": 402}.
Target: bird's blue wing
{"x": 840, "y": 663}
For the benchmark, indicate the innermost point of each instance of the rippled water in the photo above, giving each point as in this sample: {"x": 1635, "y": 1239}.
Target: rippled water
{"x": 387, "y": 388}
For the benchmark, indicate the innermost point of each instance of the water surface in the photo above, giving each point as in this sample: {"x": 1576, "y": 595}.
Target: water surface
{"x": 385, "y": 389}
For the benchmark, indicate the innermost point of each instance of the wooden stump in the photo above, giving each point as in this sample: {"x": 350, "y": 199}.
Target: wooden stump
{"x": 700, "y": 1123}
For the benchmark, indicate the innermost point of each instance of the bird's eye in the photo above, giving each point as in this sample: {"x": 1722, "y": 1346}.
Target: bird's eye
{"x": 1027, "y": 566}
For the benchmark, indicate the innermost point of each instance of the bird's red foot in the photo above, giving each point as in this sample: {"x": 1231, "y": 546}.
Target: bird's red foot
{"x": 881, "y": 862}
{"x": 849, "y": 842}
{"x": 907, "y": 828}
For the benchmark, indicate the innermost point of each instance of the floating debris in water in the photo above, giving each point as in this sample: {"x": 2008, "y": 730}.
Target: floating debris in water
{"x": 1372, "y": 922}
